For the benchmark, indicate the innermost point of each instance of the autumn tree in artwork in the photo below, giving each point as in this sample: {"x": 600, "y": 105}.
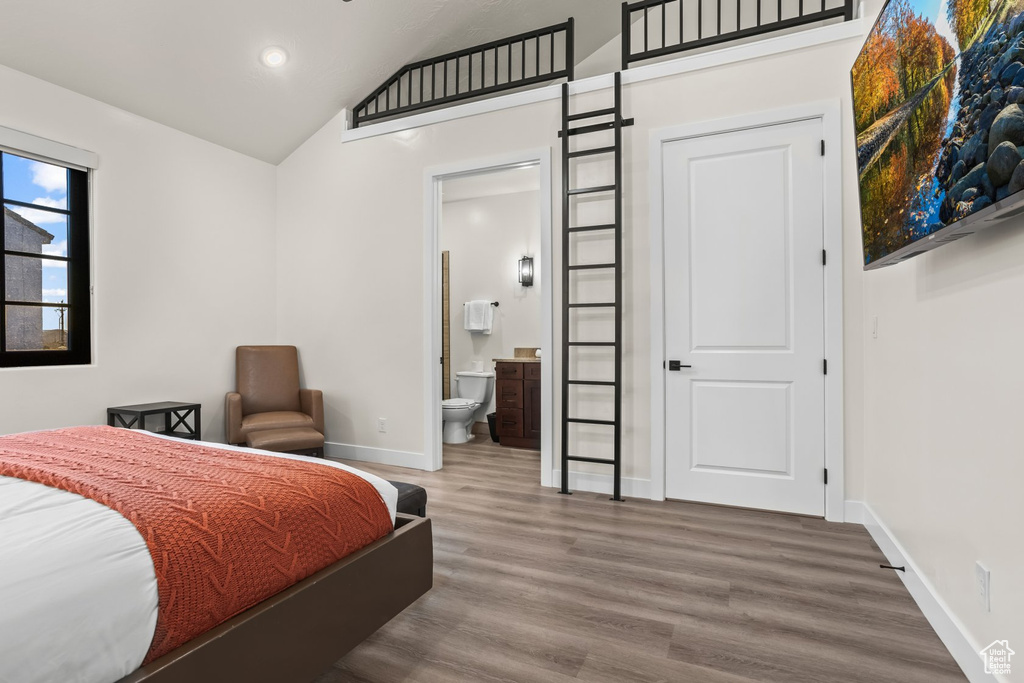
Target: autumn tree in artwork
{"x": 875, "y": 85}
{"x": 967, "y": 17}
{"x": 903, "y": 55}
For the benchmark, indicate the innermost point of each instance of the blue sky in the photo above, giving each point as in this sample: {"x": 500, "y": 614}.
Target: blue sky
{"x": 44, "y": 185}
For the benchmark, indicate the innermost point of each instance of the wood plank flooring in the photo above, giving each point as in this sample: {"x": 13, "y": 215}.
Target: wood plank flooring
{"x": 531, "y": 585}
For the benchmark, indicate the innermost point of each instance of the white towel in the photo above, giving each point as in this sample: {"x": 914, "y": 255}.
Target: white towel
{"x": 478, "y": 316}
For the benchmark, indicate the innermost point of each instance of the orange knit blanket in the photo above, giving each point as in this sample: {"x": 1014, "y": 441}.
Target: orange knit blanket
{"x": 226, "y": 530}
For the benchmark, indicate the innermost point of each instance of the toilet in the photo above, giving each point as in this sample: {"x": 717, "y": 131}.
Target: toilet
{"x": 474, "y": 390}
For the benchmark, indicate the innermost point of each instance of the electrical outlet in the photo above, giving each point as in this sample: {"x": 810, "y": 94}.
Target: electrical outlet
{"x": 382, "y": 425}
{"x": 983, "y": 579}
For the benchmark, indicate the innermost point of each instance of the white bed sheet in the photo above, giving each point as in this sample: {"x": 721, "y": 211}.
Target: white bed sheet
{"x": 78, "y": 593}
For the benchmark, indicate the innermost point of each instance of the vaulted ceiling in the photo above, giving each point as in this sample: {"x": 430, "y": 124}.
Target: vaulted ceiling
{"x": 194, "y": 64}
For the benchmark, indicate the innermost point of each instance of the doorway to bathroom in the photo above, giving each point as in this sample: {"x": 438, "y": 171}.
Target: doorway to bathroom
{"x": 489, "y": 310}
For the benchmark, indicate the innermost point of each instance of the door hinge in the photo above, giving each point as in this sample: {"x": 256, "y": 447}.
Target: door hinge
{"x": 824, "y": 366}
{"x": 826, "y": 476}
{"x": 822, "y": 148}
{"x": 824, "y": 257}
{"x": 442, "y": 360}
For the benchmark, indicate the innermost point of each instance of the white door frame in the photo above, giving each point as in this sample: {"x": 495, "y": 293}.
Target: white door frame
{"x": 432, "y": 200}
{"x": 829, "y": 111}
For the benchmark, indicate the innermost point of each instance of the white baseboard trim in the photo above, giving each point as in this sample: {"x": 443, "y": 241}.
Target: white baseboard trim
{"x": 949, "y": 629}
{"x": 602, "y": 483}
{"x": 381, "y": 456}
{"x": 853, "y": 512}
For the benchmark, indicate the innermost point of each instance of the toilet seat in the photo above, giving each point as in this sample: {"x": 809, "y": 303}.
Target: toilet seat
{"x": 459, "y": 403}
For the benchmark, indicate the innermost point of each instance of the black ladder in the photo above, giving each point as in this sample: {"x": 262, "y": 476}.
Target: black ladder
{"x": 615, "y": 124}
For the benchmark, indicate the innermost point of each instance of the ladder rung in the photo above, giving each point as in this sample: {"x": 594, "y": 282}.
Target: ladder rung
{"x": 590, "y": 383}
{"x": 591, "y": 305}
{"x": 580, "y": 458}
{"x": 579, "y": 420}
{"x": 588, "y": 228}
{"x": 591, "y": 152}
{"x": 592, "y": 190}
{"x": 595, "y": 128}
{"x": 592, "y": 343}
{"x": 592, "y": 114}
{"x": 593, "y": 266}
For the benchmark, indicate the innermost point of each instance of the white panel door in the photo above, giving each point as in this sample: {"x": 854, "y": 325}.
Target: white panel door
{"x": 744, "y": 309}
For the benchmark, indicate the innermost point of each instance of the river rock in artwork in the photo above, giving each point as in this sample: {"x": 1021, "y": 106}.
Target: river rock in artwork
{"x": 974, "y": 152}
{"x": 1007, "y": 126}
{"x": 959, "y": 168}
{"x": 972, "y": 179}
{"x": 1002, "y": 162}
{"x": 1009, "y": 71}
{"x": 986, "y": 119}
{"x": 1017, "y": 179}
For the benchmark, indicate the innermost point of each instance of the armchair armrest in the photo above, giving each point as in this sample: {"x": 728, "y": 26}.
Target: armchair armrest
{"x": 312, "y": 401}
{"x": 233, "y": 418}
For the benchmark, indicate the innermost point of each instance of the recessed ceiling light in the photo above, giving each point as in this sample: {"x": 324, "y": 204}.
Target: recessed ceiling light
{"x": 274, "y": 56}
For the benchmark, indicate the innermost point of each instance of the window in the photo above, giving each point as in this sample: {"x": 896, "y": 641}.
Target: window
{"x": 45, "y": 268}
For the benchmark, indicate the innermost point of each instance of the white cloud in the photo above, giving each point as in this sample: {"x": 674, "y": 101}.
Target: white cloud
{"x": 54, "y": 265}
{"x": 52, "y": 203}
{"x": 42, "y": 217}
{"x": 50, "y": 178}
{"x": 56, "y": 249}
{"x": 55, "y": 294}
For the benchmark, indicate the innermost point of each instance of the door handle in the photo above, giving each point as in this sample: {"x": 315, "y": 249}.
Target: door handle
{"x": 676, "y": 365}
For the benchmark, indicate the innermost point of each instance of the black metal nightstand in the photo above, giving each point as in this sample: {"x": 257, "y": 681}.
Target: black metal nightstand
{"x": 176, "y": 416}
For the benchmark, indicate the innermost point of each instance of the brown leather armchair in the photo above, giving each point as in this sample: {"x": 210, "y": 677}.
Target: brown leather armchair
{"x": 268, "y": 395}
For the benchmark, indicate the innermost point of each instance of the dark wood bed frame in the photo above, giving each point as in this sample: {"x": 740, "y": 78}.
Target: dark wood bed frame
{"x": 297, "y": 634}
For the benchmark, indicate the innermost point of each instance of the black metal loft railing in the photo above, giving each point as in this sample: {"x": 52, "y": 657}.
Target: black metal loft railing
{"x": 655, "y": 28}
{"x": 538, "y": 56}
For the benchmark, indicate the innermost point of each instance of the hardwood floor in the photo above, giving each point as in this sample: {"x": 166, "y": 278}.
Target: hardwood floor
{"x": 532, "y": 586}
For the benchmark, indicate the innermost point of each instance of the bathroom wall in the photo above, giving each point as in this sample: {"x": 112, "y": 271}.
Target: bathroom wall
{"x": 486, "y": 236}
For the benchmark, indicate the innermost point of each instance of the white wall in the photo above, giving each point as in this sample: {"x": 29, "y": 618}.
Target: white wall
{"x": 183, "y": 264}
{"x": 485, "y": 237}
{"x": 944, "y": 437}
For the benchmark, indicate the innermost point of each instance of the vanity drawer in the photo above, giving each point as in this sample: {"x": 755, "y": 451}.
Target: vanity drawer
{"x": 509, "y": 370}
{"x": 509, "y": 393}
{"x": 510, "y": 422}
{"x": 531, "y": 371}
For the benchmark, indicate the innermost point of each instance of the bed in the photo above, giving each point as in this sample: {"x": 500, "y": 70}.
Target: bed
{"x": 81, "y": 600}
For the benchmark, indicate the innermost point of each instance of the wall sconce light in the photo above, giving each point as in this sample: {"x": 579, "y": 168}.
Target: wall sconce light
{"x": 526, "y": 271}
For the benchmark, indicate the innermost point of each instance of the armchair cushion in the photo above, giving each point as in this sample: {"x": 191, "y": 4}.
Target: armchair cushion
{"x": 274, "y": 420}
{"x": 287, "y": 440}
{"x": 268, "y": 379}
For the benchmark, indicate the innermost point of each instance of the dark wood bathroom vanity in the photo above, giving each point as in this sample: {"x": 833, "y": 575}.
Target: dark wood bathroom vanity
{"x": 517, "y": 398}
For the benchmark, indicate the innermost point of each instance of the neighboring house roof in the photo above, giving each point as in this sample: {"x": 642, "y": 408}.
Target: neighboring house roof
{"x": 18, "y": 218}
